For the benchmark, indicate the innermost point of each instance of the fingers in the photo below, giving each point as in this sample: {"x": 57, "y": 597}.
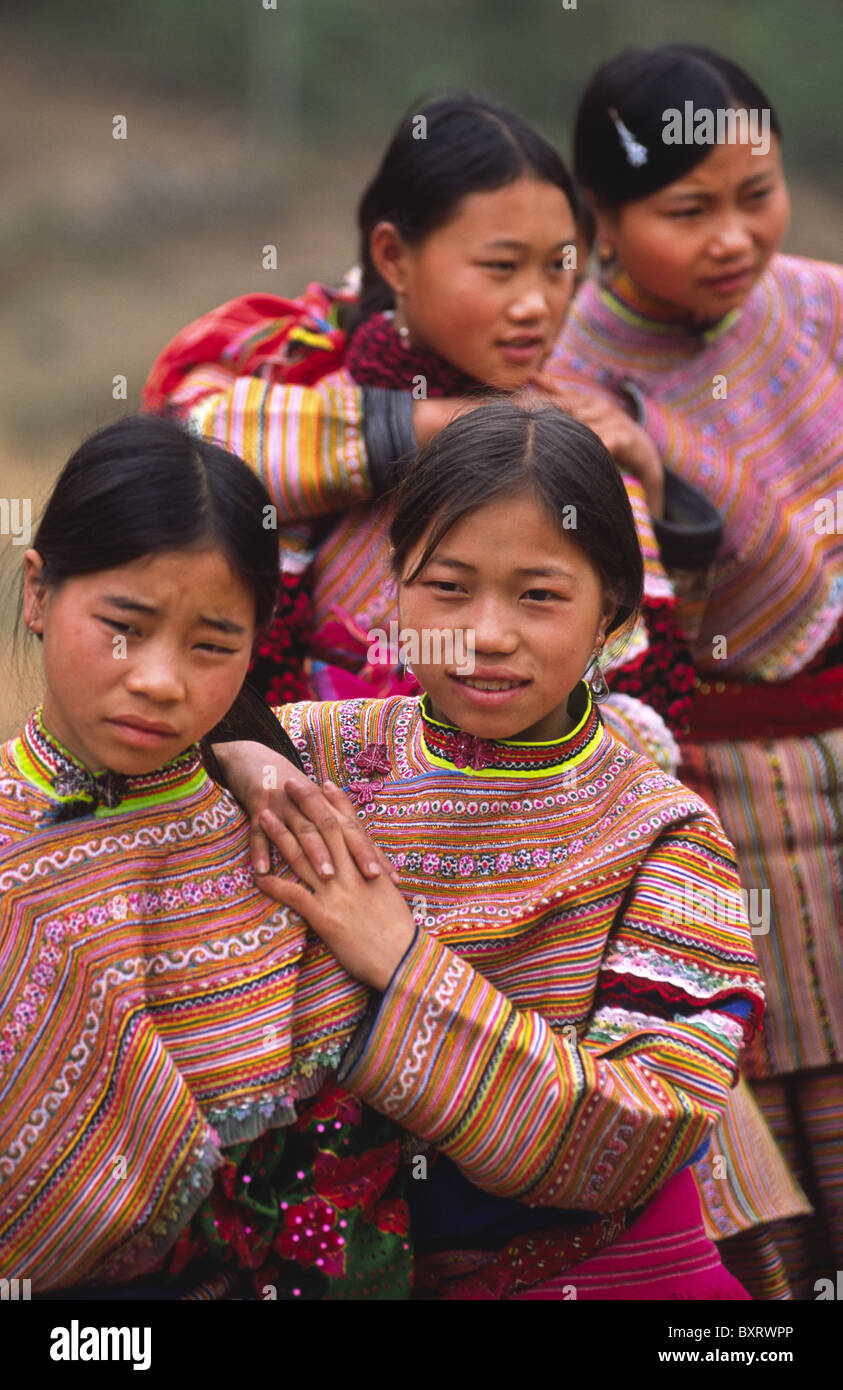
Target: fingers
{"x": 289, "y": 894}
{"x": 369, "y": 857}
{"x": 289, "y": 847}
{"x": 303, "y": 828}
{"x": 259, "y": 849}
{"x": 318, "y": 816}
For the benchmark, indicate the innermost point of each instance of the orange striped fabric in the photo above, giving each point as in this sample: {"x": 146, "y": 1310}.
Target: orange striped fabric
{"x": 149, "y": 1013}
{"x": 558, "y": 1028}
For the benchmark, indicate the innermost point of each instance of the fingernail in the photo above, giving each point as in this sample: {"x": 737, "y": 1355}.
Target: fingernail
{"x": 373, "y": 868}
{"x": 261, "y": 867}
{"x": 327, "y": 870}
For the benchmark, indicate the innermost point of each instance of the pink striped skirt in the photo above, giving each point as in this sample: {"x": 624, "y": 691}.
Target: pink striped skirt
{"x": 664, "y": 1254}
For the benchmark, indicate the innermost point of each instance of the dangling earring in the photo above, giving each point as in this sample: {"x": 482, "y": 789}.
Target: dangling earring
{"x": 398, "y": 319}
{"x": 597, "y": 682}
{"x": 606, "y": 253}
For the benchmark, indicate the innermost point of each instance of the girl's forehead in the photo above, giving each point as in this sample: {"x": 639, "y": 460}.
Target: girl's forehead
{"x": 726, "y": 166}
{"x": 513, "y": 532}
{"x": 173, "y": 578}
{"x": 527, "y": 200}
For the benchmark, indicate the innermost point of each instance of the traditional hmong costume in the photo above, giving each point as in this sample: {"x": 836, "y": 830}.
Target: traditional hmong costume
{"x": 751, "y": 412}
{"x": 566, "y": 1024}
{"x": 236, "y": 372}
{"x": 160, "y": 1018}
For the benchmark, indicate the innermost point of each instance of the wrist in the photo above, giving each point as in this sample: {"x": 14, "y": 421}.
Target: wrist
{"x": 386, "y": 968}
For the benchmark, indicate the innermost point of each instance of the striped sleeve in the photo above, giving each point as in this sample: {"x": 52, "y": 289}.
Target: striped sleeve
{"x": 594, "y": 1121}
{"x": 306, "y": 443}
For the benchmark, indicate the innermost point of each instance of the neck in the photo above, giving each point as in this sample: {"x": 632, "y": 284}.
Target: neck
{"x": 378, "y": 356}
{"x": 61, "y": 733}
{"x": 649, "y": 306}
{"x": 555, "y": 725}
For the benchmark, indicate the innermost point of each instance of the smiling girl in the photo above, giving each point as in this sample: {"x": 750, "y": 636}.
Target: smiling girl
{"x": 469, "y": 242}
{"x": 729, "y": 354}
{"x": 559, "y": 1026}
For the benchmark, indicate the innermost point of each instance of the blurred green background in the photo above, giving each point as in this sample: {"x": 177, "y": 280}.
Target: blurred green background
{"x": 248, "y": 125}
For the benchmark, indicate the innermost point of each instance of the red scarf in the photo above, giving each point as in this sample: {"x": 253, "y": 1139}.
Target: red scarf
{"x": 378, "y": 356}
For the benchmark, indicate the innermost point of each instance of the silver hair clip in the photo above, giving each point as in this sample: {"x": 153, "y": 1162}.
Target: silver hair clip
{"x": 636, "y": 153}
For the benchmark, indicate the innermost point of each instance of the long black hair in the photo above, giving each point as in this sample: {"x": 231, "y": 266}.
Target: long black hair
{"x": 639, "y": 85}
{"x": 146, "y": 484}
{"x": 441, "y": 151}
{"x": 503, "y": 449}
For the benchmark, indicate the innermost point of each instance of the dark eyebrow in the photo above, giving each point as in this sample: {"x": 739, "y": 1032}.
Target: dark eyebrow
{"x": 679, "y": 194}
{"x": 129, "y": 605}
{"x": 538, "y": 571}
{"x": 756, "y": 178}
{"x": 505, "y": 244}
{"x": 222, "y": 624}
{"x": 133, "y": 605}
{"x": 546, "y": 572}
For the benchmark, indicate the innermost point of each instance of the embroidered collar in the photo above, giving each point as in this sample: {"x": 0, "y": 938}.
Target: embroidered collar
{"x": 77, "y": 791}
{"x": 623, "y": 297}
{"x": 449, "y": 747}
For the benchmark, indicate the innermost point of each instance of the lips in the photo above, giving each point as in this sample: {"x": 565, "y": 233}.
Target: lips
{"x": 521, "y": 348}
{"x": 732, "y": 280}
{"x": 485, "y": 691}
{"x": 146, "y": 726}
{"x": 491, "y": 674}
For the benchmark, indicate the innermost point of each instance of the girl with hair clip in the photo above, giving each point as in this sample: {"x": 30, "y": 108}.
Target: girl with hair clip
{"x": 159, "y": 1016}
{"x": 470, "y": 233}
{"x": 728, "y": 353}
{"x": 554, "y": 1040}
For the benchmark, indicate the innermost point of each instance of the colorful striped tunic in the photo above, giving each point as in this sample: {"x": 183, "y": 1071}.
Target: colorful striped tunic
{"x": 156, "y": 1007}
{"x": 566, "y": 1025}
{"x": 751, "y": 412}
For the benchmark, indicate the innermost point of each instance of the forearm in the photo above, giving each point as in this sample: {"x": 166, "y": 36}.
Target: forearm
{"x": 528, "y": 1113}
{"x": 318, "y": 449}
{"x": 557, "y": 1117}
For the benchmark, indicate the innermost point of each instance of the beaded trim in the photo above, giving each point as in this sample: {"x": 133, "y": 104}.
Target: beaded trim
{"x": 448, "y": 747}
{"x": 48, "y": 765}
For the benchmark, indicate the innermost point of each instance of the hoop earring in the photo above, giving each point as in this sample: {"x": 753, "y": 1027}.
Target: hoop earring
{"x": 597, "y": 682}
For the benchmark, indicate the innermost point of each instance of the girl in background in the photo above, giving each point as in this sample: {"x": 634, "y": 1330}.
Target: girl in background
{"x": 469, "y": 240}
{"x": 728, "y": 353}
{"x": 560, "y": 1025}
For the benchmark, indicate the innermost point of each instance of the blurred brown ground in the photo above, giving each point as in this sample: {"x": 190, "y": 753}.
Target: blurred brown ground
{"x": 108, "y": 247}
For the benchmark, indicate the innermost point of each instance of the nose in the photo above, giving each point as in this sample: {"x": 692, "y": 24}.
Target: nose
{"x": 529, "y": 305}
{"x": 494, "y": 628}
{"x": 732, "y": 237}
{"x": 156, "y": 674}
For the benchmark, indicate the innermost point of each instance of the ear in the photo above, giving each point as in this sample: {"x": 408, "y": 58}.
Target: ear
{"x": 389, "y": 252}
{"x": 34, "y": 591}
{"x": 605, "y": 218}
{"x": 610, "y": 607}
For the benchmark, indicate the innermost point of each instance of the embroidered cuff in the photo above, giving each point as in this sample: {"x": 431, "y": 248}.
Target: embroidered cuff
{"x": 363, "y": 1032}
{"x": 437, "y": 1028}
{"x": 691, "y": 529}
